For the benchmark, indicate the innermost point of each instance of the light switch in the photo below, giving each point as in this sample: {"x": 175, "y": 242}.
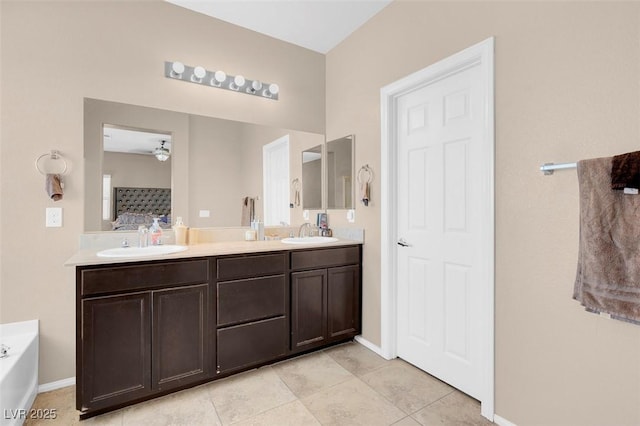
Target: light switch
{"x": 53, "y": 217}
{"x": 351, "y": 215}
{"x": 305, "y": 214}
{"x": 205, "y": 213}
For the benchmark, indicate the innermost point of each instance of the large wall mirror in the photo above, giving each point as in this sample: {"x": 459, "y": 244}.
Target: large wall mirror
{"x": 214, "y": 164}
{"x": 340, "y": 167}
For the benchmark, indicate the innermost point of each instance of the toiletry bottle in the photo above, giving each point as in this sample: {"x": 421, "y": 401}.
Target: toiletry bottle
{"x": 181, "y": 232}
{"x": 260, "y": 230}
{"x": 156, "y": 232}
{"x": 143, "y": 236}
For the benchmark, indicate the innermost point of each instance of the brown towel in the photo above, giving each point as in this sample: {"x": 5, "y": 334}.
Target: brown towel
{"x": 625, "y": 171}
{"x": 248, "y": 211}
{"x": 53, "y": 186}
{"x": 364, "y": 193}
{"x": 608, "y": 275}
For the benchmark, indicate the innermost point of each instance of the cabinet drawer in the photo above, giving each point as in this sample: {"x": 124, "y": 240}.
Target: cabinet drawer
{"x": 251, "y": 344}
{"x": 136, "y": 277}
{"x": 320, "y": 258}
{"x": 231, "y": 268}
{"x": 251, "y": 299}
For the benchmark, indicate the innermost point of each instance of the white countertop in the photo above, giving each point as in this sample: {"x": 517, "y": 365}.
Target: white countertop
{"x": 89, "y": 257}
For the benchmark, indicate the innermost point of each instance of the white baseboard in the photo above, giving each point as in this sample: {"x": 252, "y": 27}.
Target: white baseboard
{"x": 367, "y": 344}
{"x": 58, "y": 384}
{"x": 502, "y": 422}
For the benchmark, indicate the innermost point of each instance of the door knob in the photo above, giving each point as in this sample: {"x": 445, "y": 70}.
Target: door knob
{"x": 403, "y": 243}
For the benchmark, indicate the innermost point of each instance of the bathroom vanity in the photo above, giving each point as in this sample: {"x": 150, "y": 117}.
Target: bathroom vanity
{"x": 149, "y": 327}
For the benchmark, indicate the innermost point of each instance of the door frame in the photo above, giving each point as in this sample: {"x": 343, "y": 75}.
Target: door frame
{"x": 277, "y": 144}
{"x": 482, "y": 55}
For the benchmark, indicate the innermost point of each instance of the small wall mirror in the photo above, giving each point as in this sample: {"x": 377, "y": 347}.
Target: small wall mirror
{"x": 136, "y": 179}
{"x": 312, "y": 178}
{"x": 340, "y": 158}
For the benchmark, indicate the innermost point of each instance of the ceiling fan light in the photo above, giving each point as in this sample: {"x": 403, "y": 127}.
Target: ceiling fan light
{"x": 162, "y": 153}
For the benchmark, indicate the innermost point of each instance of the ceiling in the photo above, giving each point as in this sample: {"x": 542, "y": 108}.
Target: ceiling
{"x": 133, "y": 141}
{"x": 319, "y": 25}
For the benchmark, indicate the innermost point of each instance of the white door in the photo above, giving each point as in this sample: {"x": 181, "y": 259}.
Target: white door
{"x": 275, "y": 162}
{"x": 441, "y": 200}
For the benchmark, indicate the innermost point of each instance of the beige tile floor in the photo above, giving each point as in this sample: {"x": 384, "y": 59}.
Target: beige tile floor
{"x": 343, "y": 385}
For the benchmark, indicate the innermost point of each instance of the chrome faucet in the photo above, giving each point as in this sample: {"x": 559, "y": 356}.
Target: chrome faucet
{"x": 4, "y": 351}
{"x": 301, "y": 232}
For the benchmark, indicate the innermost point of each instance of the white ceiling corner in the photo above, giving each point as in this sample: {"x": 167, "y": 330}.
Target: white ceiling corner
{"x": 319, "y": 25}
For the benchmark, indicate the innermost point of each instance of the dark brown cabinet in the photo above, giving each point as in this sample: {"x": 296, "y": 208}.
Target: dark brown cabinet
{"x": 309, "y": 309}
{"x": 252, "y": 311}
{"x": 135, "y": 344}
{"x": 145, "y": 329}
{"x": 343, "y": 294}
{"x": 115, "y": 350}
{"x": 325, "y": 303}
{"x": 180, "y": 336}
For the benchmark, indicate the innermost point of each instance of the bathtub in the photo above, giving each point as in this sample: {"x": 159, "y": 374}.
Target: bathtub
{"x": 18, "y": 371}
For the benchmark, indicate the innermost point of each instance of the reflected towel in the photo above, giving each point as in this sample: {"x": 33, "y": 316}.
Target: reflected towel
{"x": 608, "y": 273}
{"x": 364, "y": 193}
{"x": 248, "y": 211}
{"x": 53, "y": 186}
{"x": 625, "y": 171}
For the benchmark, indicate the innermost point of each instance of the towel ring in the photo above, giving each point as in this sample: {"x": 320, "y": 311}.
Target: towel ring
{"x": 54, "y": 155}
{"x": 295, "y": 184}
{"x": 365, "y": 174}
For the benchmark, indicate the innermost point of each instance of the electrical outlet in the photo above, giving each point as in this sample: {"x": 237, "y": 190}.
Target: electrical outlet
{"x": 205, "y": 213}
{"x": 305, "y": 214}
{"x": 53, "y": 217}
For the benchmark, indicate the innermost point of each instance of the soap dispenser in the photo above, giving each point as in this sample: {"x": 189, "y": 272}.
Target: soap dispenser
{"x": 155, "y": 232}
{"x": 181, "y": 232}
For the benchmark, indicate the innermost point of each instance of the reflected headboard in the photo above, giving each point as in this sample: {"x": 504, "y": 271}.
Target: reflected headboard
{"x": 155, "y": 201}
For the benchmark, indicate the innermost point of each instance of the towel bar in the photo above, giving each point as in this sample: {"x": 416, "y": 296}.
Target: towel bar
{"x": 548, "y": 168}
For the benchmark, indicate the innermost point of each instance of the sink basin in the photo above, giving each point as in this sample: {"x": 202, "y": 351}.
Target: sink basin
{"x": 308, "y": 240}
{"x": 141, "y": 251}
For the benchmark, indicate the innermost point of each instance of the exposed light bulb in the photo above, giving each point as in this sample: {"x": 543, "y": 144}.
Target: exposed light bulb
{"x": 218, "y": 78}
{"x": 274, "y": 88}
{"x": 239, "y": 80}
{"x": 256, "y": 85}
{"x": 199, "y": 72}
{"x": 177, "y": 68}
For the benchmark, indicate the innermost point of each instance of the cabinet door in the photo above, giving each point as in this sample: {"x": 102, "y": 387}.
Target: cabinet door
{"x": 116, "y": 350}
{"x": 180, "y": 336}
{"x": 308, "y": 309}
{"x": 343, "y": 294}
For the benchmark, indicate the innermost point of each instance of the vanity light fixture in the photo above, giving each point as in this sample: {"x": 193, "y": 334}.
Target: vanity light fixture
{"x": 199, "y": 75}
{"x": 162, "y": 153}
